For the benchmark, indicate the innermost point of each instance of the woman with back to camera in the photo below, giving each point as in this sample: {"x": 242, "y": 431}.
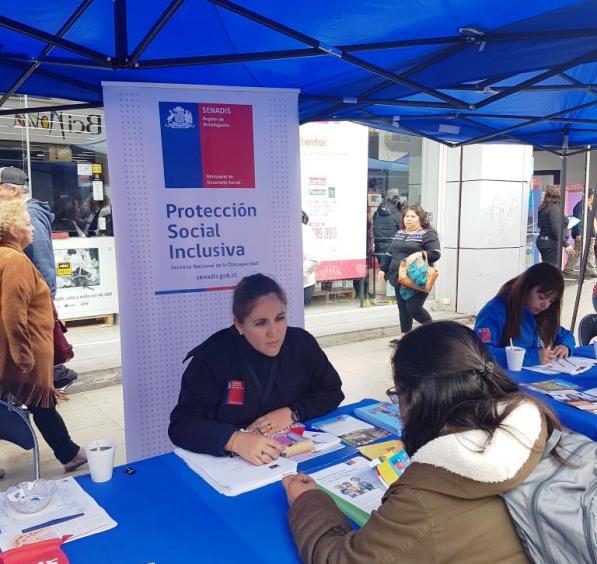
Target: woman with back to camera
{"x": 551, "y": 223}
{"x": 414, "y": 236}
{"x": 471, "y": 435}
{"x": 527, "y": 310}
{"x": 27, "y": 334}
{"x": 252, "y": 380}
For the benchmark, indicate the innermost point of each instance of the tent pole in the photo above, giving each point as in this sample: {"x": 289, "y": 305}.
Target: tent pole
{"x": 563, "y": 181}
{"x": 458, "y": 228}
{"x": 587, "y": 228}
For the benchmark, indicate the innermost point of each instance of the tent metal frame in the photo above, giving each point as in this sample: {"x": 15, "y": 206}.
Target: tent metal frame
{"x": 131, "y": 59}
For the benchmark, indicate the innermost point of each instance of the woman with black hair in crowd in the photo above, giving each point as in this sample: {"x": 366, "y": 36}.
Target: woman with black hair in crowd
{"x": 527, "y": 312}
{"x": 414, "y": 237}
{"x": 552, "y": 223}
{"x": 252, "y": 380}
{"x": 471, "y": 435}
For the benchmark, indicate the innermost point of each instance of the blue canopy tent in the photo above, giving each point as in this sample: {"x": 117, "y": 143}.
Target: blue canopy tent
{"x": 456, "y": 71}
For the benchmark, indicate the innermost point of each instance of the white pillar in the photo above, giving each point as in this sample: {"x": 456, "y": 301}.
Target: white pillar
{"x": 482, "y": 222}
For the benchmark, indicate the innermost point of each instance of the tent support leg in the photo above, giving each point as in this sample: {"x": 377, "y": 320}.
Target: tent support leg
{"x": 586, "y": 242}
{"x": 563, "y": 181}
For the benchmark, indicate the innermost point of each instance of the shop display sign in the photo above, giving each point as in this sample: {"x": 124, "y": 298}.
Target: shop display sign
{"x": 85, "y": 277}
{"x": 334, "y": 196}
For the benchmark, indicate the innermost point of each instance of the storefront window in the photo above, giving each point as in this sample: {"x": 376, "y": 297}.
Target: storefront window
{"x": 394, "y": 167}
{"x": 64, "y": 153}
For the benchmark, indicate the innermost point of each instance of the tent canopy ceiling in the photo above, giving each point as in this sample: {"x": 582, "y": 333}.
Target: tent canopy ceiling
{"x": 457, "y": 71}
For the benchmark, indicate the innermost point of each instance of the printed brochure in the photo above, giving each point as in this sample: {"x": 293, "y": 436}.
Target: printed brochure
{"x": 352, "y": 430}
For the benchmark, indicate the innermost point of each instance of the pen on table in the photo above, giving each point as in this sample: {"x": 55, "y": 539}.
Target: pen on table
{"x": 52, "y": 522}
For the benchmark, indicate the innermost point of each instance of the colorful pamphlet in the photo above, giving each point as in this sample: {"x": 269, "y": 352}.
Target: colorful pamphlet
{"x": 567, "y": 393}
{"x": 354, "y": 486}
{"x": 392, "y": 466}
{"x": 351, "y": 430}
{"x": 555, "y": 385}
{"x": 384, "y": 415}
{"x": 377, "y": 450}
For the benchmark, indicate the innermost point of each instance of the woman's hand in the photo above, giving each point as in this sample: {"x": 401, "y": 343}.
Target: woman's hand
{"x": 255, "y": 448}
{"x": 273, "y": 422}
{"x": 561, "y": 351}
{"x": 570, "y": 250}
{"x": 296, "y": 485}
{"x": 546, "y": 355}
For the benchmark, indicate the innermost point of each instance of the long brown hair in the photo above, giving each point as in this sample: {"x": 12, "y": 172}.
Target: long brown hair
{"x": 551, "y": 196}
{"x": 459, "y": 387}
{"x": 420, "y": 212}
{"x": 549, "y": 280}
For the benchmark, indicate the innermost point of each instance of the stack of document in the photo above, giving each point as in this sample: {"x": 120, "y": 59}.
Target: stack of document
{"x": 71, "y": 511}
{"x": 383, "y": 414}
{"x": 354, "y": 486}
{"x": 351, "y": 430}
{"x": 572, "y": 365}
{"x": 233, "y": 475}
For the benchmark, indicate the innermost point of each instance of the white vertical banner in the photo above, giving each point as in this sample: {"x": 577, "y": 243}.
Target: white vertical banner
{"x": 334, "y": 196}
{"x": 205, "y": 189}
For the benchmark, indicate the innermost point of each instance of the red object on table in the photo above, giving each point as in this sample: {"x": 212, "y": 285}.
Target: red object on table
{"x": 48, "y": 551}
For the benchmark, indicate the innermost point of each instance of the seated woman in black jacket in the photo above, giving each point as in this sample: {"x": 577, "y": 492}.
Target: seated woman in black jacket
{"x": 250, "y": 381}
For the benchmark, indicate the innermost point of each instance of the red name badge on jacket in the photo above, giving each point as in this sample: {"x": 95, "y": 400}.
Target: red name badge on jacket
{"x": 236, "y": 392}
{"x": 484, "y": 334}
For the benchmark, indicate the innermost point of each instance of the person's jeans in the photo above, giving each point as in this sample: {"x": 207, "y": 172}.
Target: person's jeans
{"x": 548, "y": 249}
{"x": 411, "y": 309}
{"x": 308, "y": 294}
{"x": 54, "y": 431}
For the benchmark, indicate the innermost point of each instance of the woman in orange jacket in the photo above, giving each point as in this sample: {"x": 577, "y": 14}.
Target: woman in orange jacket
{"x": 27, "y": 334}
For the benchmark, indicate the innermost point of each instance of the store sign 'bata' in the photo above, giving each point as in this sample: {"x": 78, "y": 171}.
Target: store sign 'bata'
{"x": 62, "y": 123}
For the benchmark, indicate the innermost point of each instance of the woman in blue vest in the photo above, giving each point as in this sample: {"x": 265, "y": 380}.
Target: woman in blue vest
{"x": 527, "y": 312}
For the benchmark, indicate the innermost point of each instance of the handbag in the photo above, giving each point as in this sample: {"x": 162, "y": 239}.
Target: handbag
{"x": 417, "y": 275}
{"x": 63, "y": 350}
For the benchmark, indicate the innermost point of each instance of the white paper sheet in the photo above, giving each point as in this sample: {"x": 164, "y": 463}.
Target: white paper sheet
{"x": 69, "y": 500}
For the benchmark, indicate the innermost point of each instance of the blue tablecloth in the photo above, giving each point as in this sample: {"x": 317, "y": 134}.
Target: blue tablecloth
{"x": 167, "y": 514}
{"x": 571, "y": 417}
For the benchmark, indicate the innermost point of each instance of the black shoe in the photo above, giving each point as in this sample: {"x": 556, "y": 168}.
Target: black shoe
{"x": 2, "y": 473}
{"x": 63, "y": 376}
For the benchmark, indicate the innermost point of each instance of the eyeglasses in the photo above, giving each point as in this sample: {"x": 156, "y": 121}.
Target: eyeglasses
{"x": 394, "y": 394}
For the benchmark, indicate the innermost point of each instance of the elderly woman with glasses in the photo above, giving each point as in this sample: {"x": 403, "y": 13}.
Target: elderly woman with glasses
{"x": 459, "y": 409}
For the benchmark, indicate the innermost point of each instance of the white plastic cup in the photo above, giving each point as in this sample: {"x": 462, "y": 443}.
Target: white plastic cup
{"x": 100, "y": 457}
{"x": 515, "y": 358}
{"x": 595, "y": 348}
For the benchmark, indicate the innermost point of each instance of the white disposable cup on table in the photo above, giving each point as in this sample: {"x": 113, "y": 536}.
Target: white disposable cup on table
{"x": 515, "y": 358}
{"x": 100, "y": 458}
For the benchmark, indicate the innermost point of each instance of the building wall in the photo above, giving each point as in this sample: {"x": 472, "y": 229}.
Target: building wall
{"x": 482, "y": 219}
